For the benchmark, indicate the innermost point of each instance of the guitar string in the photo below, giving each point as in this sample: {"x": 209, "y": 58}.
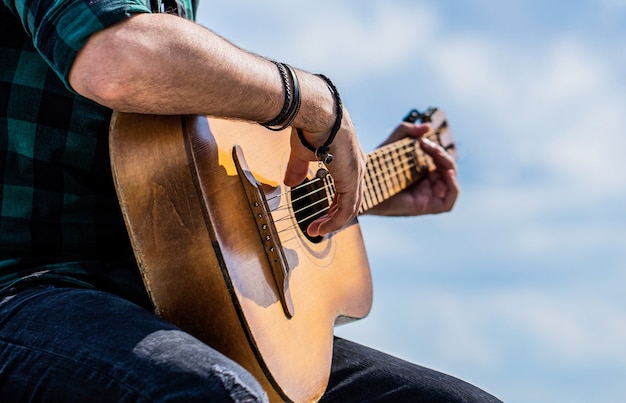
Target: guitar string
{"x": 388, "y": 158}
{"x": 410, "y": 162}
{"x": 380, "y": 161}
{"x": 383, "y": 156}
{"x": 320, "y": 212}
{"x": 389, "y": 155}
{"x": 387, "y": 172}
{"x": 406, "y": 168}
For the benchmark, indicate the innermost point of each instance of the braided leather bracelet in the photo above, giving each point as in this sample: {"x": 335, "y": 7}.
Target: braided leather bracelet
{"x": 293, "y": 100}
{"x": 322, "y": 153}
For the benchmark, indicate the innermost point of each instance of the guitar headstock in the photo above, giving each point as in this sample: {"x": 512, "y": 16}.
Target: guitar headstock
{"x": 440, "y": 132}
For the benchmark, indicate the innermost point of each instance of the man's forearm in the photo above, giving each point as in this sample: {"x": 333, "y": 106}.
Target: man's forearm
{"x": 163, "y": 64}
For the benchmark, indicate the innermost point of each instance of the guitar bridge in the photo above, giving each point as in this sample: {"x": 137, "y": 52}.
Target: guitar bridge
{"x": 266, "y": 229}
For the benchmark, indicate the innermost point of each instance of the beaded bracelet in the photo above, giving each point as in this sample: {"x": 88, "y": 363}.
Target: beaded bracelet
{"x": 322, "y": 153}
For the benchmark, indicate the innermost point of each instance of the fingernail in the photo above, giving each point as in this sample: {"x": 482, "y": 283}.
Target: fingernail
{"x": 429, "y": 142}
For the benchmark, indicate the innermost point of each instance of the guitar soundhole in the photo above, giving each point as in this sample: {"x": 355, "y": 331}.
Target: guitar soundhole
{"x": 309, "y": 201}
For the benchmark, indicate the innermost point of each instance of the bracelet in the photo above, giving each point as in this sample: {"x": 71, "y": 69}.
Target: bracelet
{"x": 294, "y": 108}
{"x": 293, "y": 101}
{"x": 322, "y": 153}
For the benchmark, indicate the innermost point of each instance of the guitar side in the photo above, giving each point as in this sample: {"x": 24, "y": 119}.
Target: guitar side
{"x": 202, "y": 258}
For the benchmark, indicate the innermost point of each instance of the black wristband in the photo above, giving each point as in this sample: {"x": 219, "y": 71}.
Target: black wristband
{"x": 322, "y": 153}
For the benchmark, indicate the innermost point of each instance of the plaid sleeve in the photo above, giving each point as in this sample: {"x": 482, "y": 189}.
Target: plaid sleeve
{"x": 60, "y": 28}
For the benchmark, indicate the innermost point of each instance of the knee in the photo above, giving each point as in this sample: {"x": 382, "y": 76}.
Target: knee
{"x": 189, "y": 370}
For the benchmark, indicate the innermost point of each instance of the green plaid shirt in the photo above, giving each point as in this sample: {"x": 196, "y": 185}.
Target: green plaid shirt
{"x": 59, "y": 216}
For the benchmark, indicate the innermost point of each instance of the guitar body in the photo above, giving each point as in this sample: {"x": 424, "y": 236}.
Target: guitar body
{"x": 203, "y": 259}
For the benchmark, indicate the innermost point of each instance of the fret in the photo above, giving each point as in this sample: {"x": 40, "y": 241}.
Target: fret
{"x": 396, "y": 166}
{"x": 367, "y": 191}
{"x": 388, "y": 172}
{"x": 390, "y": 189}
{"x": 379, "y": 178}
{"x": 404, "y": 157}
{"x": 391, "y": 170}
{"x": 371, "y": 183}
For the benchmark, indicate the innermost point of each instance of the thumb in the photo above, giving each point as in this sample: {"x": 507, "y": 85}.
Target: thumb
{"x": 406, "y": 129}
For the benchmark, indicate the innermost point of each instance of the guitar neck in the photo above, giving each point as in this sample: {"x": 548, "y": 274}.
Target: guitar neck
{"x": 391, "y": 169}
{"x": 394, "y": 167}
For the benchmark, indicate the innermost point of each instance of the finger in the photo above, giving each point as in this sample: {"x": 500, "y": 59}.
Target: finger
{"x": 332, "y": 209}
{"x": 406, "y": 129}
{"x": 416, "y": 130}
{"x": 296, "y": 171}
{"x": 314, "y": 228}
{"x": 342, "y": 209}
{"x": 441, "y": 159}
{"x": 333, "y": 222}
{"x": 440, "y": 189}
{"x": 453, "y": 189}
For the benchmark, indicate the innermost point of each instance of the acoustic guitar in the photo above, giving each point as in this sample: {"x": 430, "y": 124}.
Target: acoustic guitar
{"x": 222, "y": 247}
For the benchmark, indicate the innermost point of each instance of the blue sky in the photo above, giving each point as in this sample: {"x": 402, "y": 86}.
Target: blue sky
{"x": 520, "y": 289}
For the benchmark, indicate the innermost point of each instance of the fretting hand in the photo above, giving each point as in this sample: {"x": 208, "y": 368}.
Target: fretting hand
{"x": 434, "y": 194}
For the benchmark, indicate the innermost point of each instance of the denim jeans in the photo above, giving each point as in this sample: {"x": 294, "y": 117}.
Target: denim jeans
{"x": 75, "y": 345}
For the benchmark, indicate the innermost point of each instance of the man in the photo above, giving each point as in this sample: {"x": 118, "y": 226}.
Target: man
{"x": 75, "y": 323}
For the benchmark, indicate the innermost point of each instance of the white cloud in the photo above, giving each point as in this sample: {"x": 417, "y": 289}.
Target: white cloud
{"x": 556, "y": 107}
{"x": 353, "y": 40}
{"x": 612, "y": 4}
{"x": 571, "y": 70}
{"x": 591, "y": 153}
{"x": 354, "y": 47}
{"x": 528, "y": 333}
{"x": 543, "y": 130}
{"x": 470, "y": 68}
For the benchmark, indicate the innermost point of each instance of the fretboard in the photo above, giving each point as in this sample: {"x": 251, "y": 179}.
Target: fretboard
{"x": 394, "y": 167}
{"x": 391, "y": 169}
